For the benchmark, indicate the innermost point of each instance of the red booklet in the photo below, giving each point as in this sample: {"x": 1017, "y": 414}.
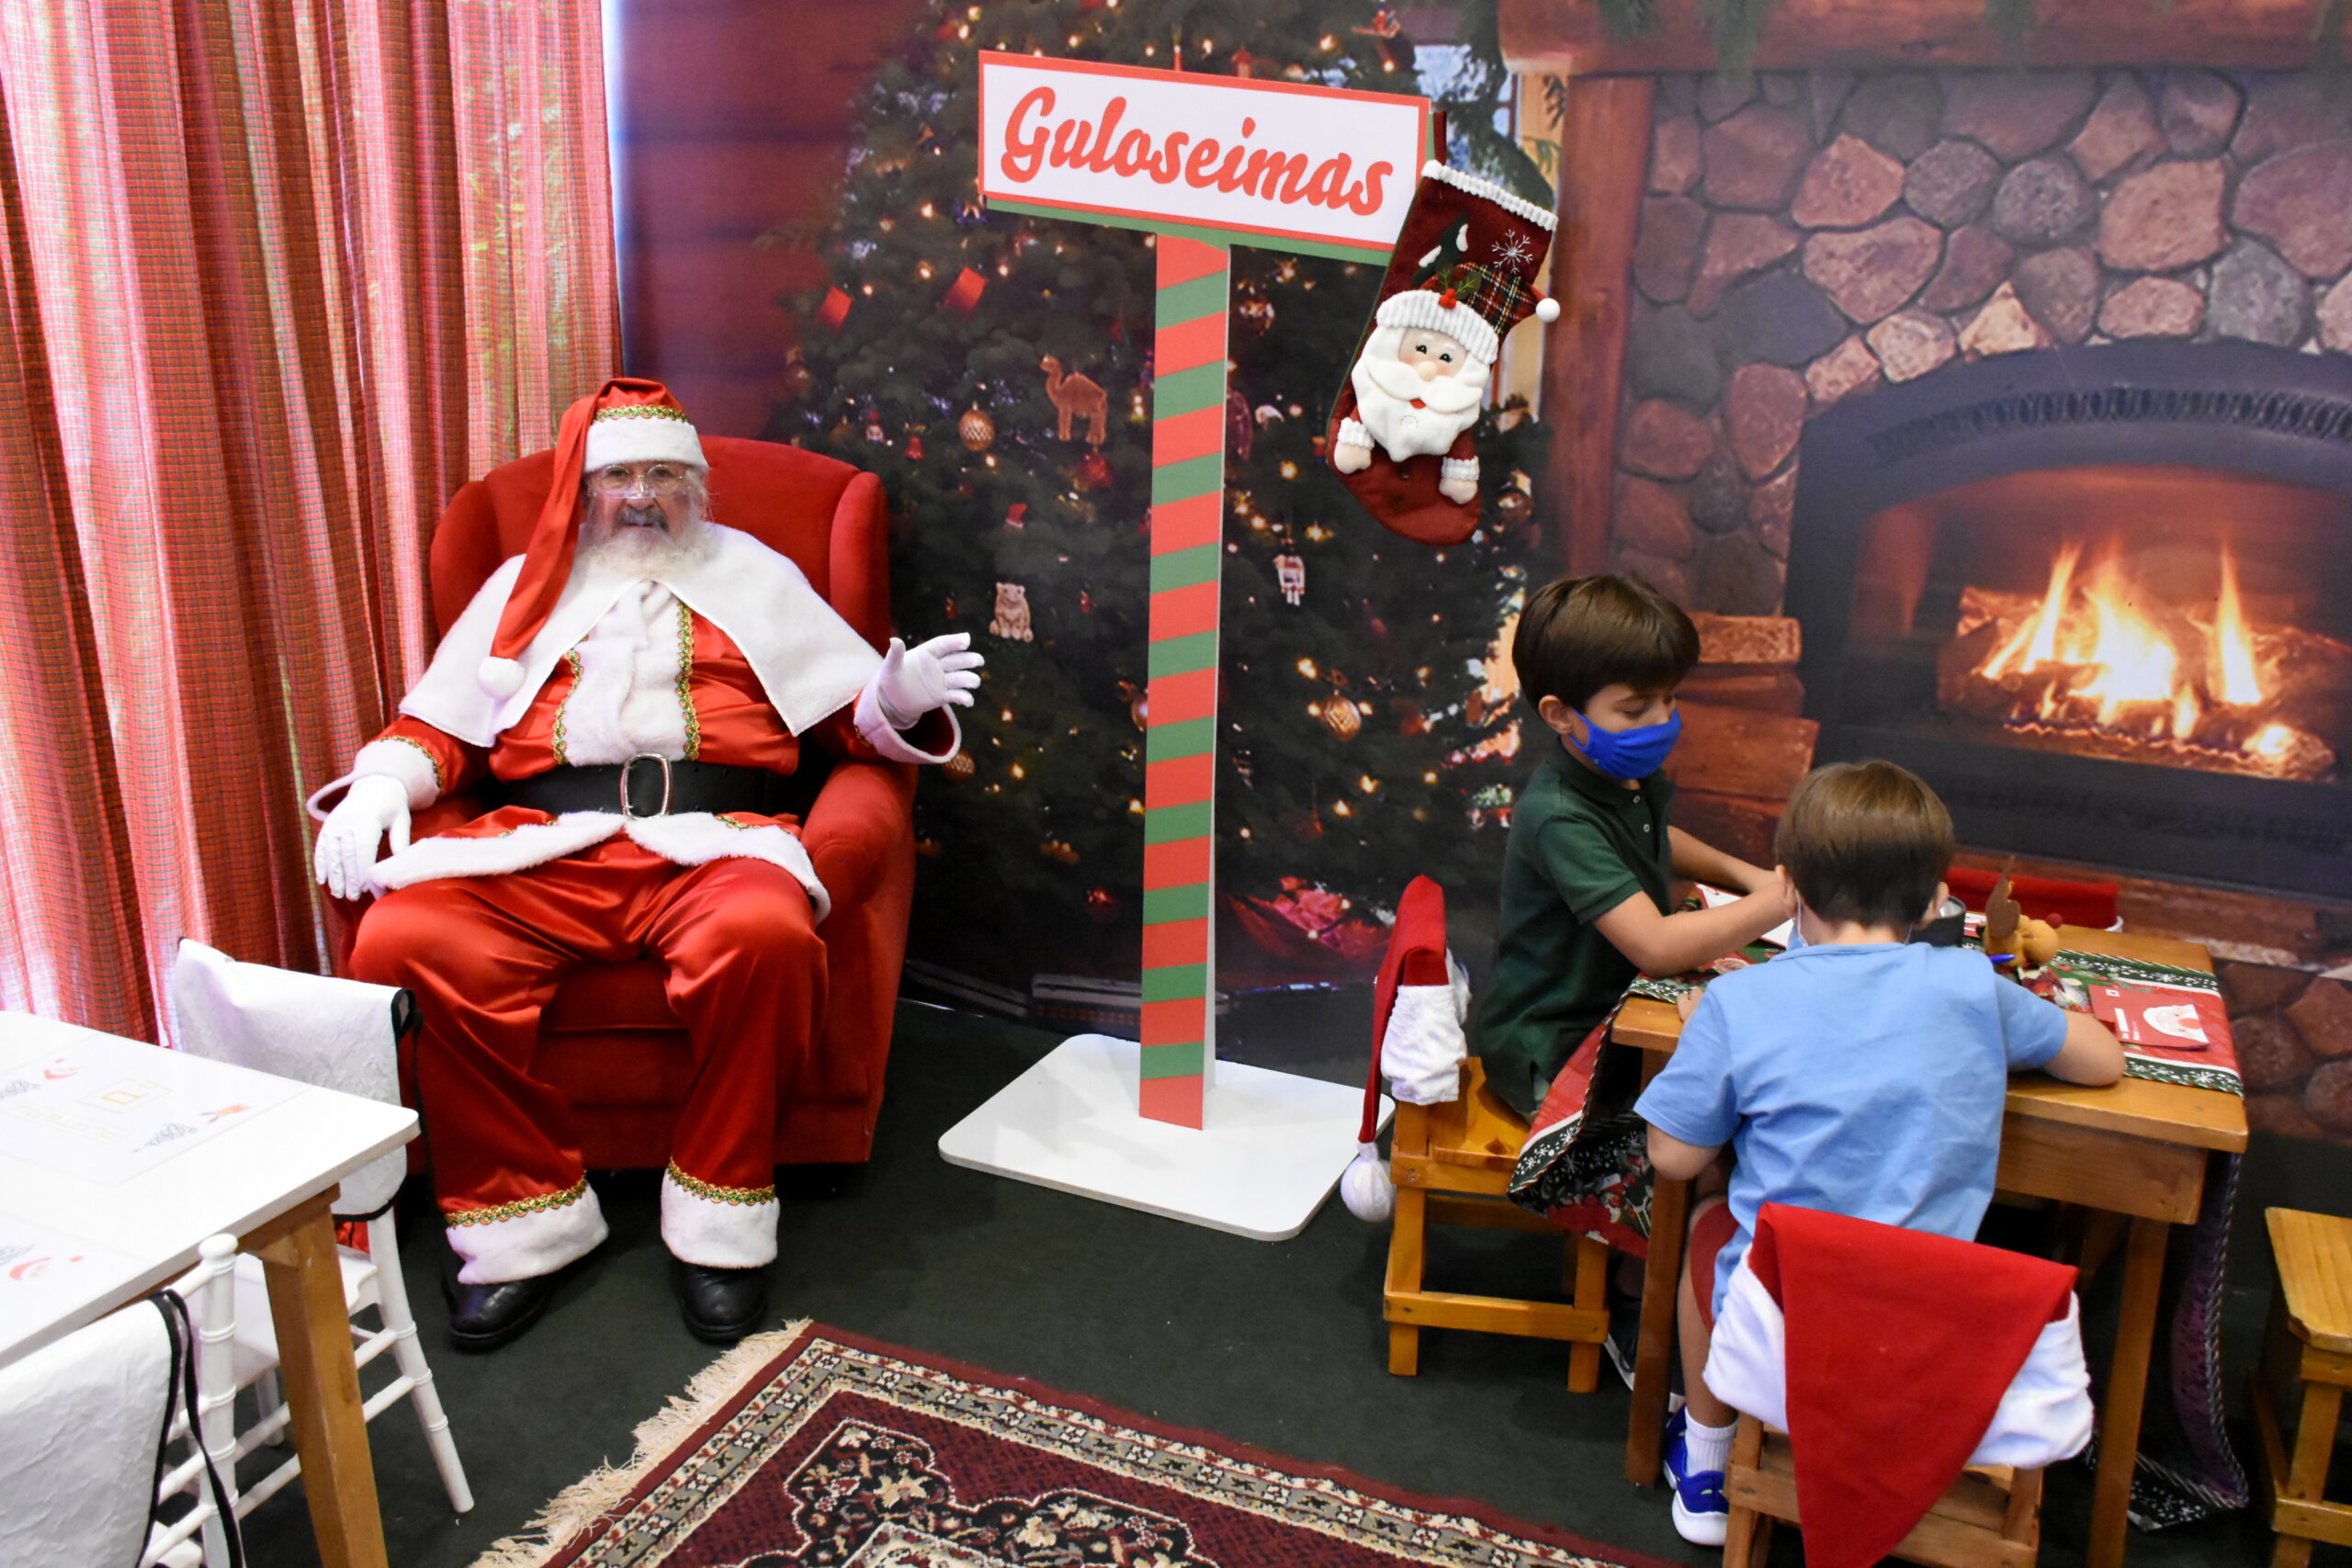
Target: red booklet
{"x": 2164, "y": 1018}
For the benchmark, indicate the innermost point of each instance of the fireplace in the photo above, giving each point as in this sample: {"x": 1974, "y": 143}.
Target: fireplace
{"x": 2101, "y": 598}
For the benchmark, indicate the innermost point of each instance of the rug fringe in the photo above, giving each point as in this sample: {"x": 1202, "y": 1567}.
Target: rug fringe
{"x": 590, "y": 1497}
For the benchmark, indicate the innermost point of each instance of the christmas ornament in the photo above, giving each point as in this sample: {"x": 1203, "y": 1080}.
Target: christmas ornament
{"x": 1410, "y": 721}
{"x": 1257, "y": 311}
{"x": 1139, "y": 704}
{"x": 1244, "y": 62}
{"x": 1241, "y": 433}
{"x": 930, "y": 849}
{"x": 975, "y": 429}
{"x": 1085, "y": 602}
{"x": 834, "y": 308}
{"x": 799, "y": 381}
{"x": 1400, "y": 432}
{"x": 1513, "y": 507}
{"x": 914, "y": 447}
{"x": 1012, "y": 617}
{"x": 874, "y": 431}
{"x": 1016, "y": 517}
{"x": 1387, "y": 35}
{"x": 1076, "y": 397}
{"x": 961, "y": 766}
{"x": 964, "y": 294}
{"x": 1055, "y": 850}
{"x": 1290, "y": 576}
{"x": 1340, "y": 717}
{"x": 1093, "y": 471}
{"x": 1103, "y": 904}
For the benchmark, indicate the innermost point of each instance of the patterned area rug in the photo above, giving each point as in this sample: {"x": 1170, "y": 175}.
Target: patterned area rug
{"x": 811, "y": 1446}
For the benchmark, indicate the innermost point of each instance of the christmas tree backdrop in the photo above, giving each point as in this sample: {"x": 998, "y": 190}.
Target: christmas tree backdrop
{"x": 995, "y": 371}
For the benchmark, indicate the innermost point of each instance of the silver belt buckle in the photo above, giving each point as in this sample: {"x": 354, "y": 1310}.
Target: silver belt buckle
{"x": 633, "y": 762}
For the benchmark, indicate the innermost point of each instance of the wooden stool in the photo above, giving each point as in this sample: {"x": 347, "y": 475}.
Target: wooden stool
{"x": 1452, "y": 1164}
{"x": 2310, "y": 1343}
{"x": 1991, "y": 1517}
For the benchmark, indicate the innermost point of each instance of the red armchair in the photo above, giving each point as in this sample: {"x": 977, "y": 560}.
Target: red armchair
{"x": 608, "y": 1039}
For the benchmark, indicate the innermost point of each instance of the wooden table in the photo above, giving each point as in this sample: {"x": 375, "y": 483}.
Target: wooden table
{"x": 2137, "y": 1148}
{"x": 268, "y": 1183}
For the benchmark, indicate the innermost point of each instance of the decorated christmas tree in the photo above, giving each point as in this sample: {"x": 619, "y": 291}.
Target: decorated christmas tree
{"x": 995, "y": 370}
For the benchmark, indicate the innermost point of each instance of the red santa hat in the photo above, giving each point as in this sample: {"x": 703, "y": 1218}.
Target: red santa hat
{"x": 1416, "y": 957}
{"x": 624, "y": 421}
{"x": 1900, "y": 1346}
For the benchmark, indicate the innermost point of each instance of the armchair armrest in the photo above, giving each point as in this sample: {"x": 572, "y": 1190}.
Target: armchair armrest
{"x": 864, "y": 810}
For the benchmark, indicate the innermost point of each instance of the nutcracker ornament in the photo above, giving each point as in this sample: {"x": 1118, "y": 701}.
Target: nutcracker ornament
{"x": 1290, "y": 576}
{"x": 1399, "y": 436}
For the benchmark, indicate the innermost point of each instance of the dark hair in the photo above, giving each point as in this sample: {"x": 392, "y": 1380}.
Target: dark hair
{"x": 1865, "y": 841}
{"x": 1579, "y": 634}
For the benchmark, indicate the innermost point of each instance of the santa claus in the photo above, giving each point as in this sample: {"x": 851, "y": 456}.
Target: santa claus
{"x": 632, "y": 684}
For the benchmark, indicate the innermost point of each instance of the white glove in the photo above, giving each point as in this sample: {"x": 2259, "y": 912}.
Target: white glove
{"x": 374, "y": 808}
{"x": 913, "y": 681}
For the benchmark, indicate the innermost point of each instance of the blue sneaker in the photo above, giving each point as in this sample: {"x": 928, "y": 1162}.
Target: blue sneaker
{"x": 1701, "y": 1512}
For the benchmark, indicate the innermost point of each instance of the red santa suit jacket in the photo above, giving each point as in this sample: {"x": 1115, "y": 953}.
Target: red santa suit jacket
{"x": 732, "y": 658}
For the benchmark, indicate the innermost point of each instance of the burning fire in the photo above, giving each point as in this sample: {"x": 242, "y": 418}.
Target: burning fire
{"x": 2089, "y": 656}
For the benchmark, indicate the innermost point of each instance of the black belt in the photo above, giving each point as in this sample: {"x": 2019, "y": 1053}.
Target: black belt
{"x": 645, "y": 785}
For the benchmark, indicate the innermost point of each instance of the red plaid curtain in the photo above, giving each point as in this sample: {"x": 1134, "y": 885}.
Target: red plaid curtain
{"x": 275, "y": 278}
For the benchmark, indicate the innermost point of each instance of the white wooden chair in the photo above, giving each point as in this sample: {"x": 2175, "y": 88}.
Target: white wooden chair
{"x": 339, "y": 1035}
{"x": 199, "y": 1535}
{"x": 80, "y": 1421}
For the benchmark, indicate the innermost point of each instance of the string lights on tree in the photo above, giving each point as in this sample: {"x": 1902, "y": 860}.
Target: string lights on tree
{"x": 995, "y": 371}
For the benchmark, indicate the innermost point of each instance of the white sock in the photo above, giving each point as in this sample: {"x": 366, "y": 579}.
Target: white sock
{"x": 1706, "y": 1447}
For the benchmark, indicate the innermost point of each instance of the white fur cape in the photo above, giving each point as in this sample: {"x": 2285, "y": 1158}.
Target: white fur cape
{"x": 809, "y": 661}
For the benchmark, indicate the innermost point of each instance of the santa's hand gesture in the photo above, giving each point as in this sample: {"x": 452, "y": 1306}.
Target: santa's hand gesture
{"x": 373, "y": 808}
{"x": 913, "y": 681}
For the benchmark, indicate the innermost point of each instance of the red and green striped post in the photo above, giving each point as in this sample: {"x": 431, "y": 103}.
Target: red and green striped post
{"x": 1180, "y": 743}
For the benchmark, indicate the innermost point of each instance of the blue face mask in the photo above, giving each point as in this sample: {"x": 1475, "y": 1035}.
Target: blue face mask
{"x": 1630, "y": 753}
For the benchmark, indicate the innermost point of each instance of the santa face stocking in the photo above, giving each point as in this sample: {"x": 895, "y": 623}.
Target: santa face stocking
{"x": 1401, "y": 434}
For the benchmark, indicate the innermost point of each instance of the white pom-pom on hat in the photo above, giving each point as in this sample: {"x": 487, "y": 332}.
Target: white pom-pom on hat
{"x": 1366, "y": 1187}
{"x": 502, "y": 678}
{"x": 1547, "y": 311}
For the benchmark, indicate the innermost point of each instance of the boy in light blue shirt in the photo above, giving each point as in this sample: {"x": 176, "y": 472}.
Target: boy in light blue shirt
{"x": 1858, "y": 1075}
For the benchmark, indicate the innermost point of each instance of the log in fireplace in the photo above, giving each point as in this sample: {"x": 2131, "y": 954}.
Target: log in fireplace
{"x": 2101, "y": 598}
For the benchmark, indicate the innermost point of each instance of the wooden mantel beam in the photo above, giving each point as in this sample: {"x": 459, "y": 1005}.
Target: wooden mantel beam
{"x": 1568, "y": 38}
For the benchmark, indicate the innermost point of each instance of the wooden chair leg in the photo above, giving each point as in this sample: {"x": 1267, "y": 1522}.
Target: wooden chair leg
{"x": 2306, "y": 1477}
{"x": 1589, "y": 1263}
{"x": 1408, "y": 1239}
{"x": 2021, "y": 1525}
{"x": 1746, "y": 1532}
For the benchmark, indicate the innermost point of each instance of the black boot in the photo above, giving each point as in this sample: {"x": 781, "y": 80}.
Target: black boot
{"x": 722, "y": 1305}
{"x": 483, "y": 1317}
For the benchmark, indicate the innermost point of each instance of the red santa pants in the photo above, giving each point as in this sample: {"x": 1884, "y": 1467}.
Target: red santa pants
{"x": 484, "y": 955}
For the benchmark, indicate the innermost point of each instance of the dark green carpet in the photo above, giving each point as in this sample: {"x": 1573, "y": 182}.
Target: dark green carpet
{"x": 1280, "y": 1344}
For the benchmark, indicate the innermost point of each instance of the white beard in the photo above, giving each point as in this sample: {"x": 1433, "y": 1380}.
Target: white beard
{"x": 1386, "y": 389}
{"x": 624, "y": 551}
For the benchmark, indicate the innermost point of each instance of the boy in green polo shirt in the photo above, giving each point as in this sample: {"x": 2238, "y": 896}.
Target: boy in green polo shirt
{"x": 1586, "y": 873}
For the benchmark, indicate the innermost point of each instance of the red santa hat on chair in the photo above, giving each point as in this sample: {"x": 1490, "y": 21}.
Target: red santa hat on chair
{"x": 624, "y": 421}
{"x": 1894, "y": 1359}
{"x": 1418, "y": 1004}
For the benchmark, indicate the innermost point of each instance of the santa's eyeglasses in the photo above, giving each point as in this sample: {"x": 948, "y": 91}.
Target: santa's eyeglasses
{"x": 661, "y": 479}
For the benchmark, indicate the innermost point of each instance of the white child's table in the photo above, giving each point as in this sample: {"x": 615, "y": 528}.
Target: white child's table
{"x": 117, "y": 1158}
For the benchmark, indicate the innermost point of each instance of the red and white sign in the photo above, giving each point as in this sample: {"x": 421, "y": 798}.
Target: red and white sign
{"x": 1265, "y": 161}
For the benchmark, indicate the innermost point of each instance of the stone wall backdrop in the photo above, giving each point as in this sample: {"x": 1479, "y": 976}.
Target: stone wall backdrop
{"x": 1809, "y": 236}
{"x": 2294, "y": 1038}
{"x": 1812, "y": 236}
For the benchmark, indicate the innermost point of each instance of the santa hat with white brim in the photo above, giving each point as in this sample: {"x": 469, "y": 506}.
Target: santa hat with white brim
{"x": 625, "y": 421}
{"x": 1419, "y": 1005}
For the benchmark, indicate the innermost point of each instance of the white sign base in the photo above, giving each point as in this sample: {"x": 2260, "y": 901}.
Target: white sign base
{"x": 1271, "y": 1147}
